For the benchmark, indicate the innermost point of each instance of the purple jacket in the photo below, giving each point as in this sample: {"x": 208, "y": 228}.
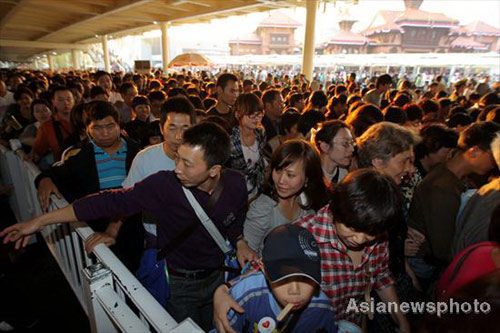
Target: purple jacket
{"x": 161, "y": 195}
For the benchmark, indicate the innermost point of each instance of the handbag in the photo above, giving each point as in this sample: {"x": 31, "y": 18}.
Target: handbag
{"x": 153, "y": 275}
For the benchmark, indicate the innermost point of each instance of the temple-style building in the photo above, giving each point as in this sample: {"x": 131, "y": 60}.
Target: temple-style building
{"x": 346, "y": 41}
{"x": 410, "y": 31}
{"x": 475, "y": 37}
{"x": 274, "y": 35}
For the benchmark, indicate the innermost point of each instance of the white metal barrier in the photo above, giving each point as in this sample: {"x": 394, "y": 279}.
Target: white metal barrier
{"x": 112, "y": 297}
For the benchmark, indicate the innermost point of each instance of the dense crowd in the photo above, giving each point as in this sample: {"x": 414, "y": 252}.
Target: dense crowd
{"x": 329, "y": 190}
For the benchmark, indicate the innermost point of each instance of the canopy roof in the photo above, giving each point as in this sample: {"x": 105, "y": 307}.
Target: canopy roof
{"x": 28, "y": 27}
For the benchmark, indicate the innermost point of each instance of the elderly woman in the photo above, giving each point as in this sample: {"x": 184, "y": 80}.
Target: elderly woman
{"x": 294, "y": 189}
{"x": 388, "y": 148}
{"x": 248, "y": 141}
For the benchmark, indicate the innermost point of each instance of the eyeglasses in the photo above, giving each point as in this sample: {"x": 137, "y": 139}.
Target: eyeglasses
{"x": 346, "y": 144}
{"x": 256, "y": 115}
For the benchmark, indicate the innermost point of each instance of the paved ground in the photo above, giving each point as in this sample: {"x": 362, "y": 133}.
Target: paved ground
{"x": 34, "y": 294}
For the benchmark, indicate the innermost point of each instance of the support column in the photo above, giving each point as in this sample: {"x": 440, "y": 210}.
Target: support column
{"x": 75, "y": 56}
{"x": 52, "y": 64}
{"x": 308, "y": 51}
{"x": 164, "y": 44}
{"x": 104, "y": 41}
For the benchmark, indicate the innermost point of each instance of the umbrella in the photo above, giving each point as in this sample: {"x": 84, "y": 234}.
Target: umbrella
{"x": 189, "y": 59}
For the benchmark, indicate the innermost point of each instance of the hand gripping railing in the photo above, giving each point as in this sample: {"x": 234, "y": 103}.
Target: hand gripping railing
{"x": 112, "y": 297}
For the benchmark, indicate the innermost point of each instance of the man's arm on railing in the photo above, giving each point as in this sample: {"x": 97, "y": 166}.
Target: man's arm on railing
{"x": 21, "y": 232}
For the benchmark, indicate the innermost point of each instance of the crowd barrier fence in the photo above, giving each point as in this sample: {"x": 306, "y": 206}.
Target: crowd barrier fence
{"x": 113, "y": 299}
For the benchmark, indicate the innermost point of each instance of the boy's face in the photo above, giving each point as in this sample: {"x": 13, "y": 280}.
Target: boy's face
{"x": 351, "y": 238}
{"x": 297, "y": 290}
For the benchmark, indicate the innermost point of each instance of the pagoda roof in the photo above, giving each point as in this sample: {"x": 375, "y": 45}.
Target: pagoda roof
{"x": 389, "y": 20}
{"x": 467, "y": 43}
{"x": 280, "y": 20}
{"x": 347, "y": 37}
{"x": 477, "y": 28}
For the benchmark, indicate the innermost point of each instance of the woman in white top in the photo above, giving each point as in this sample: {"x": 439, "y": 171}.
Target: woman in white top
{"x": 335, "y": 142}
{"x": 295, "y": 187}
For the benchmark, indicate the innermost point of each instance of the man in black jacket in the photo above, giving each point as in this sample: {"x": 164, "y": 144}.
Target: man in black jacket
{"x": 99, "y": 164}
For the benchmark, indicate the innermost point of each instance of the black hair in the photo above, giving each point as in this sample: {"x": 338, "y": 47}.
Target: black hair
{"x": 196, "y": 101}
{"x": 140, "y": 100}
{"x": 294, "y": 98}
{"x": 413, "y": 112}
{"x": 178, "y": 104}
{"x": 157, "y": 95}
{"x": 23, "y": 91}
{"x": 99, "y": 74}
{"x": 434, "y": 137}
{"x": 367, "y": 201}
{"x": 309, "y": 120}
{"x": 459, "y": 119}
{"x": 98, "y": 110}
{"x": 125, "y": 87}
{"x": 213, "y": 139}
{"x": 289, "y": 119}
{"x": 478, "y": 134}
{"x": 176, "y": 92}
{"x": 222, "y": 122}
{"x": 40, "y": 101}
{"x": 96, "y": 91}
{"x": 395, "y": 115}
{"x": 224, "y": 79}
{"x": 209, "y": 102}
{"x": 339, "y": 89}
{"x": 269, "y": 96}
{"x": 55, "y": 89}
{"x": 383, "y": 80}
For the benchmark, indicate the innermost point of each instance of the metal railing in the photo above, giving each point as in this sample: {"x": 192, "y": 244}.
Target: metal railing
{"x": 113, "y": 299}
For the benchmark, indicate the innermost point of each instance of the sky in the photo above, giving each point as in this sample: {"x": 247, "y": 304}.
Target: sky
{"x": 217, "y": 33}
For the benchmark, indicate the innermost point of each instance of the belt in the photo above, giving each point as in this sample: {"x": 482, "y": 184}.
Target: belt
{"x": 192, "y": 275}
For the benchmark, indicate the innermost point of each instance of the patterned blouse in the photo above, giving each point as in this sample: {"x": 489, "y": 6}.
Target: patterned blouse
{"x": 255, "y": 175}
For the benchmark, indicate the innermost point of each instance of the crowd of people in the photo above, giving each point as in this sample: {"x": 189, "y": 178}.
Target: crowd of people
{"x": 378, "y": 188}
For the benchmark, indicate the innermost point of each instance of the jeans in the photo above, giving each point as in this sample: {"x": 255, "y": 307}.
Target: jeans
{"x": 193, "y": 298}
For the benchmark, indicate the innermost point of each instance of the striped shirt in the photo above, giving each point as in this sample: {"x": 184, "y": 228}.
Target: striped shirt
{"x": 261, "y": 309}
{"x": 111, "y": 169}
{"x": 340, "y": 281}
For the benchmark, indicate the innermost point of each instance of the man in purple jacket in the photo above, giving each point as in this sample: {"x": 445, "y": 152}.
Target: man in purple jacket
{"x": 194, "y": 260}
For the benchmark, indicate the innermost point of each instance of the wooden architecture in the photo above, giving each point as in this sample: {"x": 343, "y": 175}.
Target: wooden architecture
{"x": 346, "y": 41}
{"x": 31, "y": 27}
{"x": 410, "y": 31}
{"x": 274, "y": 35}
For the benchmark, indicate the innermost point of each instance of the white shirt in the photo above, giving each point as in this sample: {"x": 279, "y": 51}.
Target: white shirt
{"x": 251, "y": 155}
{"x": 8, "y": 99}
{"x": 147, "y": 162}
{"x": 115, "y": 97}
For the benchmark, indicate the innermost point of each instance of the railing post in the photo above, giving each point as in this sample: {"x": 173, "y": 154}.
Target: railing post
{"x": 95, "y": 277}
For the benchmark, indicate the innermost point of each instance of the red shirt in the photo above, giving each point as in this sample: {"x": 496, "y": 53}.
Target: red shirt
{"x": 46, "y": 140}
{"x": 340, "y": 281}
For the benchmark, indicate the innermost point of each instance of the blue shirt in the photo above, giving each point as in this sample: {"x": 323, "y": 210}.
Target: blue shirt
{"x": 261, "y": 309}
{"x": 111, "y": 170}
